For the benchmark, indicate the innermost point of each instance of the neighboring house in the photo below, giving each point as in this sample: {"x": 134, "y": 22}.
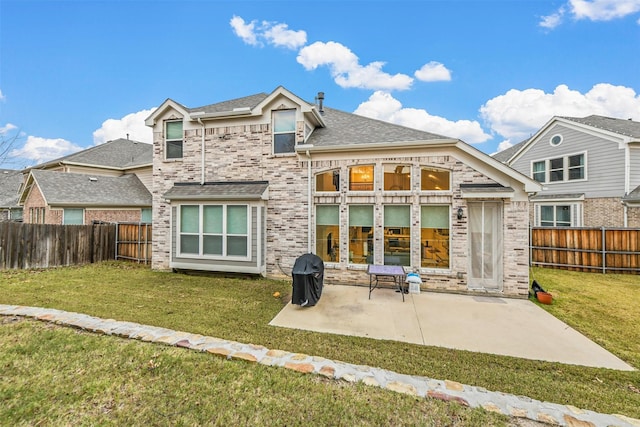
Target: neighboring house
{"x": 589, "y": 168}
{"x": 250, "y": 184}
{"x": 109, "y": 182}
{"x": 51, "y": 197}
{"x": 10, "y": 181}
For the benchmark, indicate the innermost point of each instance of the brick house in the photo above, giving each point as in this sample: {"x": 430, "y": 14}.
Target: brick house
{"x": 248, "y": 185}
{"x": 109, "y": 183}
{"x": 589, "y": 168}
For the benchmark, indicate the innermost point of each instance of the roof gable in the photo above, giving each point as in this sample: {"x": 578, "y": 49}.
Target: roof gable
{"x": 10, "y": 181}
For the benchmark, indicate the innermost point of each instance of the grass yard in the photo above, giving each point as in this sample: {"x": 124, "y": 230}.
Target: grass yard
{"x": 603, "y": 307}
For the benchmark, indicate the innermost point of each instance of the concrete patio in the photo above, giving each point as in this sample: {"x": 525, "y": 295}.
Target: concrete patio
{"x": 504, "y": 326}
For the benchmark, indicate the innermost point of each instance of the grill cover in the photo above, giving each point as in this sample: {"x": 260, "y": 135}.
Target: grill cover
{"x": 308, "y": 275}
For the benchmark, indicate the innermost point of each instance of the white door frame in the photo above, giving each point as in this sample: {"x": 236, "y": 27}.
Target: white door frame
{"x": 485, "y": 245}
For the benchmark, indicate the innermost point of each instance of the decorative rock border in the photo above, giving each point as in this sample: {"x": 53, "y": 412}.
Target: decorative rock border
{"x": 450, "y": 391}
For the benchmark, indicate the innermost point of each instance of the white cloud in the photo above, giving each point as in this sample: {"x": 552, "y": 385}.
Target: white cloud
{"x": 2, "y": 97}
{"x": 7, "y": 128}
{"x": 504, "y": 145}
{"x": 39, "y": 150}
{"x": 433, "y": 72}
{"x": 281, "y": 35}
{"x": 273, "y": 33}
{"x": 519, "y": 113}
{"x": 244, "y": 31}
{"x": 381, "y": 105}
{"x": 593, "y": 10}
{"x": 346, "y": 70}
{"x": 131, "y": 124}
{"x": 603, "y": 10}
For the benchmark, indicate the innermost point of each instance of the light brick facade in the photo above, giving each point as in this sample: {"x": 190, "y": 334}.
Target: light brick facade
{"x": 237, "y": 151}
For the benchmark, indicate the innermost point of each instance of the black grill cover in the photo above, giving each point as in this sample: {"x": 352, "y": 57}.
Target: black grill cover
{"x": 308, "y": 274}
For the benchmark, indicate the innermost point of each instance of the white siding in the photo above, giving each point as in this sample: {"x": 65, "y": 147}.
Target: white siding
{"x": 604, "y": 162}
{"x": 634, "y": 176}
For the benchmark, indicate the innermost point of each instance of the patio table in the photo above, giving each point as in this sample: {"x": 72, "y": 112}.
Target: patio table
{"x": 394, "y": 273}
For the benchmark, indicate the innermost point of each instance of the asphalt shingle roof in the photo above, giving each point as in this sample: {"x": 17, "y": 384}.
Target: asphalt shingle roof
{"x": 504, "y": 155}
{"x": 226, "y": 106}
{"x": 10, "y": 181}
{"x": 245, "y": 190}
{"x": 619, "y": 126}
{"x": 91, "y": 190}
{"x": 119, "y": 153}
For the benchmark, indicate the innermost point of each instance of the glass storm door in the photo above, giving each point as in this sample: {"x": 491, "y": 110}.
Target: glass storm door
{"x": 485, "y": 245}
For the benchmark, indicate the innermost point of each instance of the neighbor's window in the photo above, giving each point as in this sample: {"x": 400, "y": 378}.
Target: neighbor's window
{"x": 361, "y": 178}
{"x": 432, "y": 179}
{"x": 555, "y": 216}
{"x": 328, "y": 232}
{"x": 561, "y": 169}
{"x": 214, "y": 230}
{"x": 174, "y": 142}
{"x": 397, "y": 235}
{"x": 284, "y": 131}
{"x": 397, "y": 177}
{"x": 145, "y": 215}
{"x": 328, "y": 181}
{"x": 434, "y": 236}
{"x": 73, "y": 216}
{"x": 361, "y": 234}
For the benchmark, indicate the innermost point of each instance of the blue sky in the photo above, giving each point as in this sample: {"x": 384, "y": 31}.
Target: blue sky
{"x": 78, "y": 73}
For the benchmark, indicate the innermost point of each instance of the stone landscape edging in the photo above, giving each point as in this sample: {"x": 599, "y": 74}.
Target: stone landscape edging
{"x": 414, "y": 385}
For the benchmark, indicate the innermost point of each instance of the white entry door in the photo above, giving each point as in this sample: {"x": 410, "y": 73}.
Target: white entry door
{"x": 485, "y": 245}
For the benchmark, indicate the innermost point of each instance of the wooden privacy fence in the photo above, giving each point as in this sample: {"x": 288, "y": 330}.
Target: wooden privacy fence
{"x": 133, "y": 241}
{"x": 24, "y": 246}
{"x": 605, "y": 250}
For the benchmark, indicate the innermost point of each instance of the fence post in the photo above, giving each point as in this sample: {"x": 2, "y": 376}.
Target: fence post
{"x": 604, "y": 250}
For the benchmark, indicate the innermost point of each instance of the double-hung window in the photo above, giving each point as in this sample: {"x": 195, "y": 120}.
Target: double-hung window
{"x": 214, "y": 230}
{"x": 284, "y": 131}
{"x": 173, "y": 139}
{"x": 555, "y": 216}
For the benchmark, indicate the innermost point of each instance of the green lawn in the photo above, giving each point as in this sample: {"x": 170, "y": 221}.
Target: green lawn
{"x": 603, "y": 307}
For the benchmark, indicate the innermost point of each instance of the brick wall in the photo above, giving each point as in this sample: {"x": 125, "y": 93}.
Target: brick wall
{"x": 604, "y": 212}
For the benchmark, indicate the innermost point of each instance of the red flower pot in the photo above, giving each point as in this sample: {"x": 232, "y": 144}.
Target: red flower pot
{"x": 544, "y": 297}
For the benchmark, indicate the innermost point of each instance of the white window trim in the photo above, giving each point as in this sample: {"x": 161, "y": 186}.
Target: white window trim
{"x": 201, "y": 233}
{"x": 274, "y": 133}
{"x": 315, "y": 181}
{"x": 167, "y": 140}
{"x": 576, "y": 212}
{"x": 565, "y": 168}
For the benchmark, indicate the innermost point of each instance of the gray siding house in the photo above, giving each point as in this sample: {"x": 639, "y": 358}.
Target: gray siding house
{"x": 589, "y": 168}
{"x": 250, "y": 184}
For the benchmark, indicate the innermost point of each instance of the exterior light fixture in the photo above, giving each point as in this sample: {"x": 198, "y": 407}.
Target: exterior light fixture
{"x": 460, "y": 213}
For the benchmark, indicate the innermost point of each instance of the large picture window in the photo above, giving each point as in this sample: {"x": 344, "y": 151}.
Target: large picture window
{"x": 397, "y": 177}
{"x": 284, "y": 131}
{"x": 328, "y": 232}
{"x": 361, "y": 234}
{"x": 397, "y": 235}
{"x": 432, "y": 179}
{"x": 434, "y": 236}
{"x": 73, "y": 216}
{"x": 214, "y": 230}
{"x": 173, "y": 139}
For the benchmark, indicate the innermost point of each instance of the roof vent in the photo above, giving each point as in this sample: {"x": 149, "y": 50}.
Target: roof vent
{"x": 93, "y": 179}
{"x": 320, "y": 99}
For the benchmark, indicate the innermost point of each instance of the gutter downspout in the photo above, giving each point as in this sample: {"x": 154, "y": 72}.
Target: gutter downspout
{"x": 627, "y": 178}
{"x": 309, "y": 200}
{"x": 202, "y": 152}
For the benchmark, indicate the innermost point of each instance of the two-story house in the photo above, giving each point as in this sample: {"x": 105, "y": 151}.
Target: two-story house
{"x": 249, "y": 184}
{"x": 110, "y": 182}
{"x": 589, "y": 168}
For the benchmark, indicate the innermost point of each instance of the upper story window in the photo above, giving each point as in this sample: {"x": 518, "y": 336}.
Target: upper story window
{"x": 361, "y": 178}
{"x": 284, "y": 131}
{"x": 432, "y": 179}
{"x": 397, "y": 177}
{"x": 560, "y": 169}
{"x": 173, "y": 140}
{"x": 328, "y": 181}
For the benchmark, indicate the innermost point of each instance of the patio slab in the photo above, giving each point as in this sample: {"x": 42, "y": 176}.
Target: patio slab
{"x": 504, "y": 326}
